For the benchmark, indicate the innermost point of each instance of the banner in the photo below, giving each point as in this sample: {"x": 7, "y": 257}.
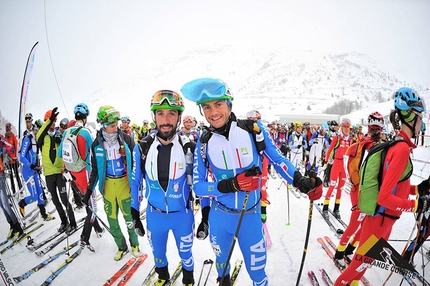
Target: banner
{"x": 25, "y": 84}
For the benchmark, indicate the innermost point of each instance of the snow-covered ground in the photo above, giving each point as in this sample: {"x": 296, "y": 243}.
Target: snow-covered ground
{"x": 284, "y": 256}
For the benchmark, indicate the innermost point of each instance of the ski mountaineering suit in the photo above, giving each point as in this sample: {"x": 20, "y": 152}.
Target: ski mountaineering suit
{"x": 4, "y": 202}
{"x": 52, "y": 170}
{"x": 393, "y": 199}
{"x": 357, "y": 217}
{"x": 336, "y": 150}
{"x": 228, "y": 157}
{"x": 169, "y": 205}
{"x": 29, "y": 156}
{"x": 318, "y": 143}
{"x": 297, "y": 143}
{"x": 112, "y": 172}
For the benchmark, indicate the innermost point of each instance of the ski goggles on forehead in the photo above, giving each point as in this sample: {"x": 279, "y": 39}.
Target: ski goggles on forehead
{"x": 172, "y": 98}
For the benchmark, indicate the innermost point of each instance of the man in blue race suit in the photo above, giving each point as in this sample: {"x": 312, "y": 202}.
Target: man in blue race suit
{"x": 232, "y": 152}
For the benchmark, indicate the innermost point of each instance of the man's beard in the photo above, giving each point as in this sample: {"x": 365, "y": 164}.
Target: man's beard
{"x": 166, "y": 135}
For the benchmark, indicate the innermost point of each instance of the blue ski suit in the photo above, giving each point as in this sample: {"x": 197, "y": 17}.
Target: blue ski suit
{"x": 168, "y": 209}
{"x": 227, "y": 157}
{"x": 28, "y": 156}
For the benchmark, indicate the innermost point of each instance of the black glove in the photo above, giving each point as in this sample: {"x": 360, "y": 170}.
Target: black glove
{"x": 423, "y": 204}
{"x": 203, "y": 229}
{"x": 299, "y": 146}
{"x": 54, "y": 114}
{"x": 285, "y": 149}
{"x": 86, "y": 197}
{"x": 137, "y": 223}
{"x": 306, "y": 184}
{"x": 424, "y": 187}
{"x": 248, "y": 180}
{"x": 33, "y": 167}
{"x": 57, "y": 138}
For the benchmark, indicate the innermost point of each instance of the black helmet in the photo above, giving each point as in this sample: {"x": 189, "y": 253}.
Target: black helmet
{"x": 29, "y": 117}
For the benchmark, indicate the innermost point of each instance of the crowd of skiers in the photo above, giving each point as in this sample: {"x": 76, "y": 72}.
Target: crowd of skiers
{"x": 176, "y": 164}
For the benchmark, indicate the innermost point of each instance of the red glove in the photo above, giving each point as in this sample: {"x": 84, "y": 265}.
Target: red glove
{"x": 316, "y": 193}
{"x": 249, "y": 180}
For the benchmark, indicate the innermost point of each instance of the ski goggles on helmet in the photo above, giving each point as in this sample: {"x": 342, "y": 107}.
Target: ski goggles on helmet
{"x": 167, "y": 99}
{"x": 189, "y": 119}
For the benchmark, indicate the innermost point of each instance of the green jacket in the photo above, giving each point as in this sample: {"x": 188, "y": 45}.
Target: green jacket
{"x": 51, "y": 163}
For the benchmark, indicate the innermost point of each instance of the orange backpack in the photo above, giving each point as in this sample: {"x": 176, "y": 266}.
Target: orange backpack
{"x": 355, "y": 156}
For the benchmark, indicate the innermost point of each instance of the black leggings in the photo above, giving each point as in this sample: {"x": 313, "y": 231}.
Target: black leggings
{"x": 57, "y": 181}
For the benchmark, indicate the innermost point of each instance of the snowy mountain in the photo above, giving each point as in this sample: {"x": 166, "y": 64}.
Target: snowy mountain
{"x": 273, "y": 80}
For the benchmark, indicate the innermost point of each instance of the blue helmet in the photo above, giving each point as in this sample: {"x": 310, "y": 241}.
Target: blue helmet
{"x": 324, "y": 126}
{"x": 82, "y": 108}
{"x": 407, "y": 98}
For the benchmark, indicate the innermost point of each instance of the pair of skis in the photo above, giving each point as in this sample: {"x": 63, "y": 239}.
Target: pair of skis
{"x": 14, "y": 237}
{"x": 314, "y": 281}
{"x": 207, "y": 263}
{"x": 151, "y": 275}
{"x": 128, "y": 269}
{"x": 62, "y": 267}
{"x": 32, "y": 246}
{"x": 41, "y": 265}
{"x": 20, "y": 238}
{"x": 327, "y": 245}
{"x": 337, "y": 231}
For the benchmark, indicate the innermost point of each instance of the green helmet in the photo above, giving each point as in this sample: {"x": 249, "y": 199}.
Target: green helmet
{"x": 167, "y": 99}
{"x": 38, "y": 123}
{"x": 107, "y": 115}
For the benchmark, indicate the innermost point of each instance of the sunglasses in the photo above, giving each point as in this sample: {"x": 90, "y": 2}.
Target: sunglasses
{"x": 172, "y": 98}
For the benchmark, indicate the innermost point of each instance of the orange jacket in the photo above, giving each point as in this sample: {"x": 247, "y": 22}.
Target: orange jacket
{"x": 12, "y": 147}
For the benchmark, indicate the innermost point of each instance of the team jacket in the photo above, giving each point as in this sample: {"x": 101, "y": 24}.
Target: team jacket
{"x": 103, "y": 164}
{"x": 337, "y": 152}
{"x": 230, "y": 156}
{"x": 52, "y": 164}
{"x": 176, "y": 197}
{"x": 28, "y": 154}
{"x": 11, "y": 147}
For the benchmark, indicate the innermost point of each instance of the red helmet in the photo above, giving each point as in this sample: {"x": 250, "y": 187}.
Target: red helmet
{"x": 376, "y": 119}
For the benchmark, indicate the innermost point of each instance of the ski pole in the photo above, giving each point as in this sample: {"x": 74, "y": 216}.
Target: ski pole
{"x": 288, "y": 204}
{"x": 242, "y": 213}
{"x": 418, "y": 223}
{"x": 103, "y": 223}
{"x": 305, "y": 248}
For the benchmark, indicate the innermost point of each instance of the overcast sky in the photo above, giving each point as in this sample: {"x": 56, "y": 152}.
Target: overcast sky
{"x": 96, "y": 43}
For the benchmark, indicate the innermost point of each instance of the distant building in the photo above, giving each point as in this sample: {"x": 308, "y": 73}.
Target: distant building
{"x": 312, "y": 118}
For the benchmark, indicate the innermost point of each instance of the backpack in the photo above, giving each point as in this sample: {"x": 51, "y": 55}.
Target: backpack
{"x": 354, "y": 156}
{"x": 71, "y": 157}
{"x": 331, "y": 156}
{"x": 246, "y": 124}
{"x": 145, "y": 144}
{"x": 371, "y": 176}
